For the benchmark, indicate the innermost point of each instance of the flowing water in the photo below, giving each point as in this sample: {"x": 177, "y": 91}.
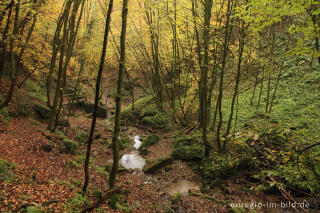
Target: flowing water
{"x": 133, "y": 160}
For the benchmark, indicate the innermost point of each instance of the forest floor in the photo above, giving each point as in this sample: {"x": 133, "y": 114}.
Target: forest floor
{"x": 42, "y": 177}
{"x": 53, "y": 179}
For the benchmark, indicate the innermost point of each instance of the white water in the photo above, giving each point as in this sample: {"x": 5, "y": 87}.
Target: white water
{"x": 137, "y": 142}
{"x": 133, "y": 160}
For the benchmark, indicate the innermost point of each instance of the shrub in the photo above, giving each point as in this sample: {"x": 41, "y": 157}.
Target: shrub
{"x": 69, "y": 146}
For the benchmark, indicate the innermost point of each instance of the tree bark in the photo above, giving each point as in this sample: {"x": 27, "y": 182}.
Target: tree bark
{"x": 116, "y": 131}
{"x": 95, "y": 109}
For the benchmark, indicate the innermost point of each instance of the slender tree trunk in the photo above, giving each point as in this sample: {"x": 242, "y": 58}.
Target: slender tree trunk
{"x": 254, "y": 89}
{"x": 14, "y": 70}
{"x": 116, "y": 131}
{"x": 277, "y": 84}
{"x": 228, "y": 31}
{"x": 261, "y": 88}
{"x": 4, "y": 37}
{"x": 55, "y": 48}
{"x": 204, "y": 76}
{"x": 236, "y": 89}
{"x": 98, "y": 83}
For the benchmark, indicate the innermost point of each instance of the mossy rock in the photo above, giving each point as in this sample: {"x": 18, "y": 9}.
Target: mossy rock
{"x": 150, "y": 140}
{"x": 42, "y": 111}
{"x": 69, "y": 146}
{"x": 188, "y": 153}
{"x": 157, "y": 164}
{"x": 158, "y": 121}
{"x": 130, "y": 116}
{"x": 150, "y": 111}
{"x": 88, "y": 108}
{"x": 186, "y": 140}
{"x": 123, "y": 143}
{"x": 5, "y": 168}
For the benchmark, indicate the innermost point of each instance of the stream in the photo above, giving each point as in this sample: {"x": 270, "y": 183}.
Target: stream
{"x": 134, "y": 161}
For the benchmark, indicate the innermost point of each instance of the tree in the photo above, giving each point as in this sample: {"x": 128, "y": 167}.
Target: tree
{"x": 97, "y": 95}
{"x": 116, "y": 130}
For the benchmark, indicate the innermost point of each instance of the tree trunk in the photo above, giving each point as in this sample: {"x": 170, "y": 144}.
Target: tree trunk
{"x": 204, "y": 76}
{"x": 98, "y": 83}
{"x": 12, "y": 58}
{"x": 116, "y": 131}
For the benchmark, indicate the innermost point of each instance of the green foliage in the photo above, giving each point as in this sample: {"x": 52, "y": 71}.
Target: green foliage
{"x": 69, "y": 146}
{"x": 35, "y": 89}
{"x": 150, "y": 110}
{"x": 42, "y": 111}
{"x": 176, "y": 198}
{"x": 35, "y": 209}
{"x": 82, "y": 136}
{"x": 5, "y": 168}
{"x": 25, "y": 105}
{"x": 76, "y": 203}
{"x": 158, "y": 121}
{"x": 4, "y": 115}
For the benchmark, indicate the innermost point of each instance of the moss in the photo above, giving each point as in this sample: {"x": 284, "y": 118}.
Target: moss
{"x": 82, "y": 136}
{"x": 188, "y": 153}
{"x": 150, "y": 111}
{"x": 130, "y": 116}
{"x": 69, "y": 146}
{"x": 34, "y": 209}
{"x": 4, "y": 115}
{"x": 5, "y": 168}
{"x": 185, "y": 141}
{"x": 42, "y": 111}
{"x": 36, "y": 89}
{"x": 176, "y": 198}
{"x": 88, "y": 108}
{"x": 158, "y": 121}
{"x": 157, "y": 164}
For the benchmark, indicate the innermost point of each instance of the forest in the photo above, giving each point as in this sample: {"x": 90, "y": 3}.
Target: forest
{"x": 160, "y": 106}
